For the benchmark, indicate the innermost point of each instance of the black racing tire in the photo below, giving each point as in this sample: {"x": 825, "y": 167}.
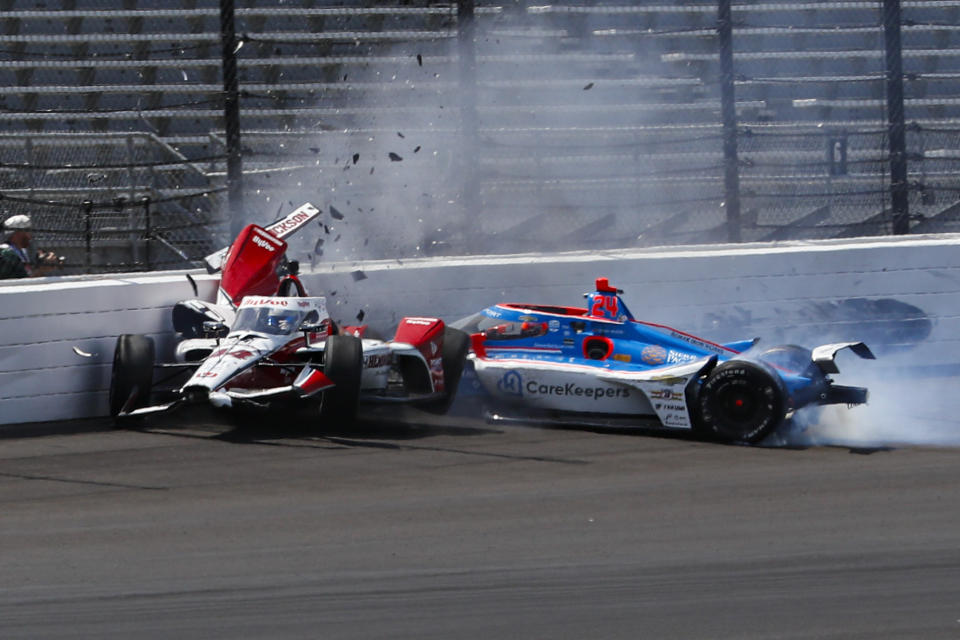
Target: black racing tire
{"x": 741, "y": 401}
{"x": 342, "y": 363}
{"x": 132, "y": 377}
{"x": 456, "y": 344}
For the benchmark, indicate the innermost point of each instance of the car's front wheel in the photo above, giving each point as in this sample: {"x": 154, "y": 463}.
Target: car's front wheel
{"x": 132, "y": 375}
{"x": 456, "y": 344}
{"x": 741, "y": 401}
{"x": 343, "y": 364}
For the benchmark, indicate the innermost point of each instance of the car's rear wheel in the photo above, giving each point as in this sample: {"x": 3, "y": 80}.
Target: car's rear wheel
{"x": 343, "y": 364}
{"x": 456, "y": 343}
{"x": 132, "y": 375}
{"x": 741, "y": 401}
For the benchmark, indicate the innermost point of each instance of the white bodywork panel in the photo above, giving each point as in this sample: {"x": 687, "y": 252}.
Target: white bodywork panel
{"x": 586, "y": 389}
{"x": 376, "y": 364}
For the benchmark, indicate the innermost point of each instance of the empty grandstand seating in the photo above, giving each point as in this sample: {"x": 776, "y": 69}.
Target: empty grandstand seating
{"x": 586, "y": 124}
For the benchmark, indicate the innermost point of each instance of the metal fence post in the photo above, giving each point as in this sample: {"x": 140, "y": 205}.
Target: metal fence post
{"x": 148, "y": 236}
{"x": 728, "y": 109}
{"x": 231, "y": 113}
{"x": 466, "y": 31}
{"x": 88, "y": 233}
{"x": 896, "y": 127}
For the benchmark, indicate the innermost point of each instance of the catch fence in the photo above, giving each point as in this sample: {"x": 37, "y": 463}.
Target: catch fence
{"x": 476, "y": 126}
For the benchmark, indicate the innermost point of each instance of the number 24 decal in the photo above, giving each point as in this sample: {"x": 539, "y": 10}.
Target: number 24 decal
{"x": 605, "y": 303}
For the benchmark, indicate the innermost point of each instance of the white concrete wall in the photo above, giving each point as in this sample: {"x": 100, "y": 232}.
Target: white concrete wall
{"x": 900, "y": 294}
{"x": 41, "y": 378}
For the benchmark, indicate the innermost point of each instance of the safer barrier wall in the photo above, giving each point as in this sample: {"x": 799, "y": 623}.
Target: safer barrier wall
{"x": 901, "y": 295}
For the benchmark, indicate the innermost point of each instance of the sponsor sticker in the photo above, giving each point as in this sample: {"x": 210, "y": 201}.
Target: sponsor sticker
{"x": 511, "y": 384}
{"x": 289, "y": 223}
{"x": 669, "y": 380}
{"x": 264, "y": 302}
{"x": 653, "y": 354}
{"x": 706, "y": 346}
{"x": 669, "y": 406}
{"x": 532, "y": 387}
{"x": 554, "y": 326}
{"x": 260, "y": 242}
{"x": 675, "y": 420}
{"x": 666, "y": 394}
{"x": 679, "y": 357}
{"x": 376, "y": 361}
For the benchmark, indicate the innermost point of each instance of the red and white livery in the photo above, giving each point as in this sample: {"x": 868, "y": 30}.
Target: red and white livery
{"x": 266, "y": 343}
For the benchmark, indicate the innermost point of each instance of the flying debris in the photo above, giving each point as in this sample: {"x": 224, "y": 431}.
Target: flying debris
{"x": 401, "y": 135}
{"x": 356, "y": 157}
{"x": 419, "y": 60}
{"x": 588, "y": 87}
{"x": 335, "y": 214}
{"x": 358, "y": 275}
{"x": 394, "y": 157}
{"x": 361, "y": 315}
{"x": 416, "y": 149}
{"x": 83, "y": 354}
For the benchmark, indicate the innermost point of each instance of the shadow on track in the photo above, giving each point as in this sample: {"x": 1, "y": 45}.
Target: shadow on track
{"x": 393, "y": 429}
{"x": 384, "y": 427}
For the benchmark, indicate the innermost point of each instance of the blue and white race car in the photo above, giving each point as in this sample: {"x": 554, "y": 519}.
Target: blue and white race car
{"x": 599, "y": 365}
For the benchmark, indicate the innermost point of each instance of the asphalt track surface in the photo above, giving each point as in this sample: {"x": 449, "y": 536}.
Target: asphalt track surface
{"x": 452, "y": 528}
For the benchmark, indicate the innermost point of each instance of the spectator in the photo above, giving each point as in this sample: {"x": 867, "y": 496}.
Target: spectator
{"x": 15, "y": 260}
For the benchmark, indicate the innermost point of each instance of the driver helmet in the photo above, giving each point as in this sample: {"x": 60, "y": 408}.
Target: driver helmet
{"x": 281, "y": 319}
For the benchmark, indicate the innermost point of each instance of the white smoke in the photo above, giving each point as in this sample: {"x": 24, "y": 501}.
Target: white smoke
{"x": 394, "y": 164}
{"x": 901, "y": 410}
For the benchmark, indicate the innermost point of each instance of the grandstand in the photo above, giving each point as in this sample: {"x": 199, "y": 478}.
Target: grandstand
{"x": 570, "y": 125}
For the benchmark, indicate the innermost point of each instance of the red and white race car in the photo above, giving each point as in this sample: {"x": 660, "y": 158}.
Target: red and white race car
{"x": 265, "y": 342}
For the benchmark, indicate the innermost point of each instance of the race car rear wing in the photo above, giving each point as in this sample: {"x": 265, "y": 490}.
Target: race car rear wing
{"x": 823, "y": 356}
